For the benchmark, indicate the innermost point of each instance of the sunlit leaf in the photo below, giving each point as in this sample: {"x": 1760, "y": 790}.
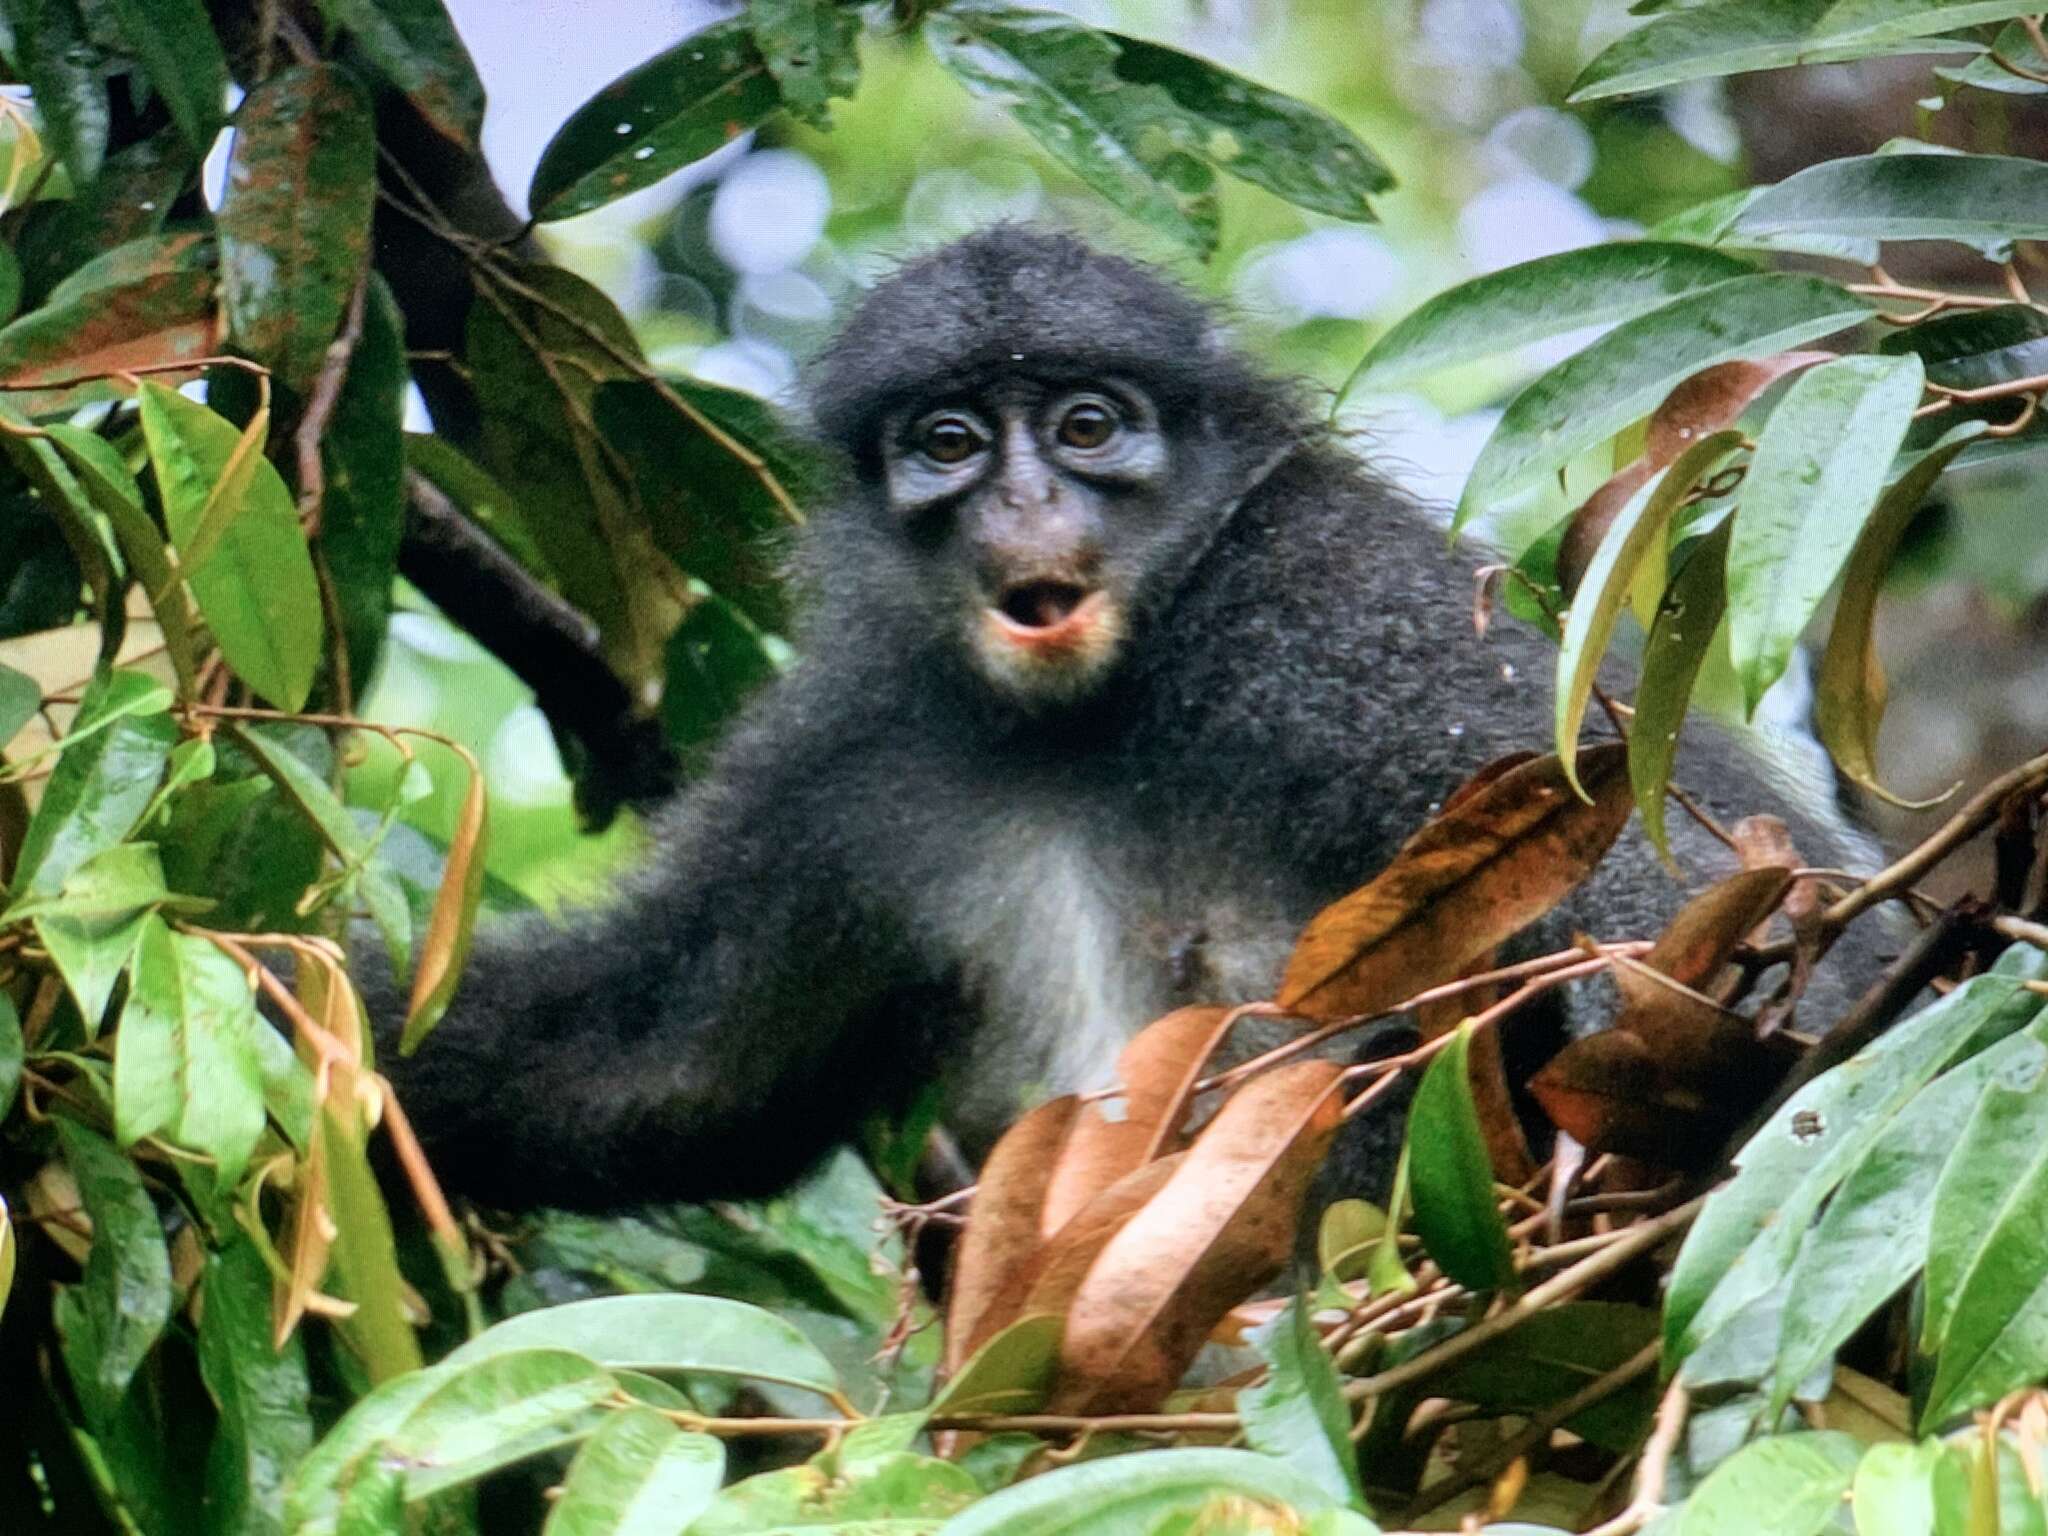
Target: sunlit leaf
{"x": 809, "y": 49}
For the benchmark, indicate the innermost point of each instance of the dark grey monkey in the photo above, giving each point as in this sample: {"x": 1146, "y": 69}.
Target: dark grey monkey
{"x": 1116, "y": 667}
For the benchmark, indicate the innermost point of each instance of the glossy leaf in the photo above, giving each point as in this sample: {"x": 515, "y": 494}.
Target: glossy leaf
{"x": 664, "y": 114}
{"x": 174, "y": 41}
{"x": 707, "y": 1334}
{"x": 266, "y": 1422}
{"x": 1292, "y": 149}
{"x": 1849, "y": 684}
{"x": 1812, "y": 484}
{"x": 105, "y": 779}
{"x": 1622, "y": 376}
{"x": 414, "y": 45}
{"x": 91, "y": 926}
{"x": 1603, "y": 593}
{"x": 1687, "y": 619}
{"x": 1975, "y": 199}
{"x": 1786, "y": 1485}
{"x": 185, "y": 1061}
{"x": 1129, "y": 141}
{"x": 1297, "y": 1414}
{"x": 113, "y": 1317}
{"x": 255, "y": 587}
{"x": 1744, "y": 1242}
{"x": 809, "y": 49}
{"x": 1129, "y": 1494}
{"x": 637, "y": 1476}
{"x": 295, "y": 225}
{"x": 888, "y": 1493}
{"x": 1713, "y": 223}
{"x": 1535, "y": 301}
{"x": 1451, "y": 1176}
{"x": 485, "y": 1413}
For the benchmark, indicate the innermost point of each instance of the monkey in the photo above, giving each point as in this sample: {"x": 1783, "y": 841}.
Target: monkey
{"x": 1115, "y": 664}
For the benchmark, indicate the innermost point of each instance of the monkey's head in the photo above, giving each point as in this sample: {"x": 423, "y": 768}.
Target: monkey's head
{"x": 1043, "y": 439}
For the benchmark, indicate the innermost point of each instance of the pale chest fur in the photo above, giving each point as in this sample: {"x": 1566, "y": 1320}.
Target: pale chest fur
{"x": 1066, "y": 952}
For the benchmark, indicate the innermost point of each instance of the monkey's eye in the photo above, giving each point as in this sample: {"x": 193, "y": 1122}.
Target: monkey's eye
{"x": 950, "y": 440}
{"x": 1087, "y": 424}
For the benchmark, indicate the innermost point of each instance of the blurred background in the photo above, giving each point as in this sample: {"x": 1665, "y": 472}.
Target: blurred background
{"x": 735, "y": 269}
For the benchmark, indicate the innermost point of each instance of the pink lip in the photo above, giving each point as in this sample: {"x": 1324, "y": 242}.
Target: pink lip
{"x": 1067, "y": 633}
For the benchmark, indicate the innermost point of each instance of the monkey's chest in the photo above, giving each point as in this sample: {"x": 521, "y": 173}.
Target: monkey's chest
{"x": 1063, "y": 955}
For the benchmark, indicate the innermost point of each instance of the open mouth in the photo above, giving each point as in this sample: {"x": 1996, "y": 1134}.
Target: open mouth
{"x": 1047, "y": 612}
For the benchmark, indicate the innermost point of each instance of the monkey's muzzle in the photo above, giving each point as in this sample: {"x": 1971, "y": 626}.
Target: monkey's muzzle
{"x": 1049, "y": 615}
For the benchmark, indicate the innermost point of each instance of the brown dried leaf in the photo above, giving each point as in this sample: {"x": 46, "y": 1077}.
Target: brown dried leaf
{"x": 1704, "y": 404}
{"x": 452, "y": 923}
{"x": 1222, "y": 1224}
{"x": 1707, "y": 929}
{"x": 1157, "y": 1069}
{"x": 1605, "y": 1091}
{"x": 1481, "y": 871}
{"x": 1003, "y": 1227}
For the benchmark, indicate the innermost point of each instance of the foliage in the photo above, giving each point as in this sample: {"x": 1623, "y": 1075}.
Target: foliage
{"x": 234, "y": 1298}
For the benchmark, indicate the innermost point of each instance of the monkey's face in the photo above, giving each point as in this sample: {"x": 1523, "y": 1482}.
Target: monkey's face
{"x": 1036, "y": 507}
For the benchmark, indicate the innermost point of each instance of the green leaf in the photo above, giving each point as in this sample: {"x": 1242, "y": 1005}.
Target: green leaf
{"x": 1969, "y": 348}
{"x": 893, "y": 1495}
{"x": 186, "y": 1063}
{"x": 12, "y": 1048}
{"x": 1688, "y": 617}
{"x": 266, "y": 1424}
{"x": 1293, "y": 150}
{"x": 129, "y": 200}
{"x": 1636, "y": 535}
{"x": 112, "y": 1318}
{"x": 1909, "y": 1490}
{"x": 256, "y": 588}
{"x": 1910, "y": 21}
{"x": 20, "y": 697}
{"x": 707, "y": 1334}
{"x": 637, "y": 1476}
{"x": 362, "y": 513}
{"x": 1622, "y": 376}
{"x": 1555, "y": 1353}
{"x": 1813, "y": 483}
{"x": 92, "y": 925}
{"x": 1452, "y": 1177}
{"x": 160, "y": 312}
{"x": 1536, "y": 300}
{"x": 1297, "y": 1414}
{"x": 1126, "y": 1495}
{"x": 415, "y": 46}
{"x": 1129, "y": 141}
{"x": 175, "y": 42}
{"x": 295, "y": 226}
{"x": 484, "y": 498}
{"x": 716, "y": 660}
{"x": 1744, "y": 1241}
{"x": 1713, "y": 223}
{"x": 1012, "y": 1373}
{"x": 809, "y": 46}
{"x": 673, "y": 110}
{"x": 1976, "y": 199}
{"x": 488, "y": 1413}
{"x": 1983, "y": 74}
{"x": 1849, "y": 684}
{"x": 64, "y": 69}
{"x": 1731, "y": 37}
{"x": 1787, "y": 1485}
{"x": 105, "y": 779}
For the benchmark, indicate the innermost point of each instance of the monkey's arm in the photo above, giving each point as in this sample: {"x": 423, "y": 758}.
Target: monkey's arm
{"x": 709, "y": 1034}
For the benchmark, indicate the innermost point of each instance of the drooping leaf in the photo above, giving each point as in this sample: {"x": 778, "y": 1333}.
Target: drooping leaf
{"x": 113, "y": 1317}
{"x": 1536, "y": 300}
{"x": 809, "y": 49}
{"x": 253, "y": 576}
{"x": 295, "y": 225}
{"x": 1589, "y": 397}
{"x": 452, "y": 923}
{"x": 1813, "y": 483}
{"x": 175, "y": 42}
{"x": 415, "y": 46}
{"x": 637, "y": 1476}
{"x": 1975, "y": 199}
{"x": 1271, "y": 140}
{"x": 1451, "y": 1175}
{"x": 656, "y": 118}
{"x": 1680, "y": 636}
{"x": 1006, "y": 1224}
{"x": 1128, "y": 140}
{"x": 1490, "y": 864}
{"x": 1849, "y": 684}
{"x": 1298, "y": 1413}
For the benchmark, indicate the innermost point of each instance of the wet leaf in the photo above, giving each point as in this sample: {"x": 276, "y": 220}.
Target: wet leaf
{"x": 1293, "y": 150}
{"x": 1680, "y": 636}
{"x": 1713, "y": 223}
{"x": 1452, "y": 1176}
{"x": 112, "y": 1318}
{"x": 295, "y": 225}
{"x": 1472, "y": 878}
{"x": 1812, "y": 485}
{"x": 1128, "y": 140}
{"x": 240, "y": 544}
{"x": 1849, "y": 684}
{"x": 1222, "y": 1224}
{"x": 674, "y": 109}
{"x": 637, "y": 1476}
{"x": 1626, "y": 373}
{"x": 1535, "y": 301}
{"x": 1637, "y": 534}
{"x": 174, "y": 41}
{"x": 415, "y": 46}
{"x": 452, "y": 923}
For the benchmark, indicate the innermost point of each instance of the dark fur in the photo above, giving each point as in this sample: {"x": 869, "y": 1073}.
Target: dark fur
{"x": 1302, "y": 687}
